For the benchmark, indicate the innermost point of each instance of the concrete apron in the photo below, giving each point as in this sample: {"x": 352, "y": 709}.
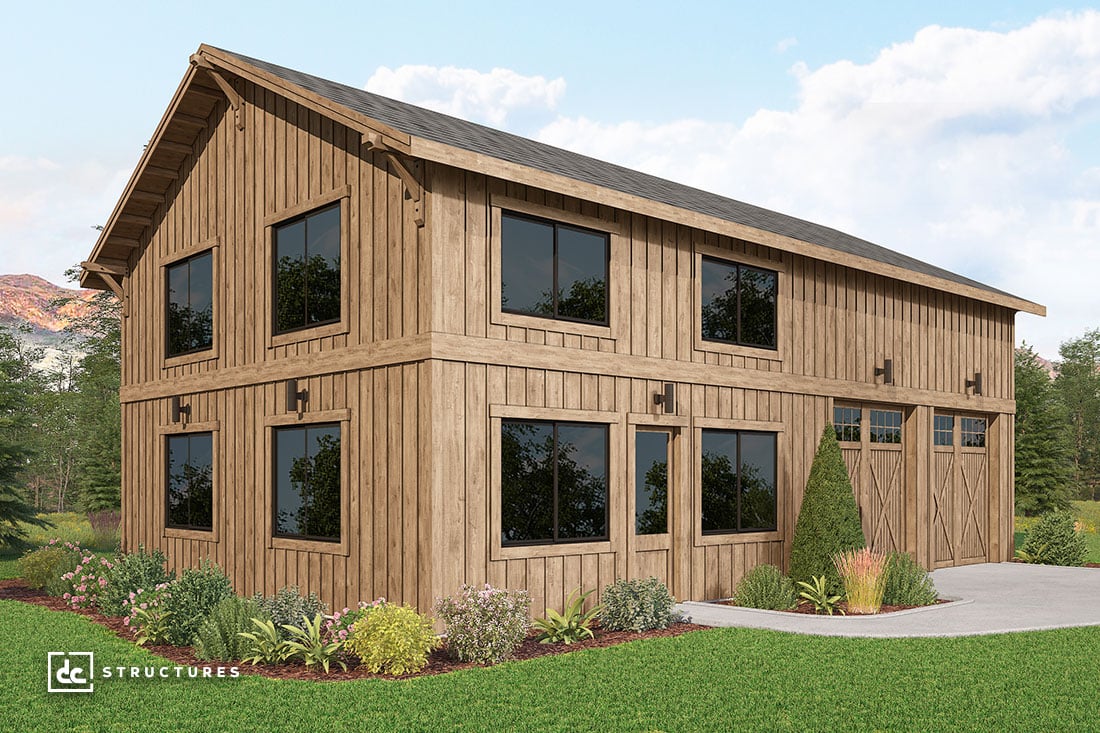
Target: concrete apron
{"x": 990, "y": 598}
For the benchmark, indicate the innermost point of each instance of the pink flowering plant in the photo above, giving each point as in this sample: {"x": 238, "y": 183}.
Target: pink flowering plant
{"x": 147, "y": 615}
{"x": 484, "y": 625}
{"x": 86, "y": 581}
{"x": 337, "y": 627}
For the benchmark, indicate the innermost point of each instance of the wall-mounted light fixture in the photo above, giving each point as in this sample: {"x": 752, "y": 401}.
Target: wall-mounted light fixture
{"x": 179, "y": 410}
{"x": 976, "y": 383}
{"x": 294, "y": 397}
{"x": 886, "y": 371}
{"x": 667, "y": 399}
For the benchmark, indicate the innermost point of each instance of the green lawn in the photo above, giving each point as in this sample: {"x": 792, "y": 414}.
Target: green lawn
{"x": 719, "y": 679}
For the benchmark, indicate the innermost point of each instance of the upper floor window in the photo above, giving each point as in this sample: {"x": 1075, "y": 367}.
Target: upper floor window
{"x": 307, "y": 270}
{"x": 307, "y": 482}
{"x": 190, "y": 320}
{"x": 738, "y": 303}
{"x": 738, "y": 481}
{"x": 190, "y": 502}
{"x": 553, "y": 270}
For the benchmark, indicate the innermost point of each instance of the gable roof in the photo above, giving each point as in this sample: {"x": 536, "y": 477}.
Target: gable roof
{"x": 408, "y": 122}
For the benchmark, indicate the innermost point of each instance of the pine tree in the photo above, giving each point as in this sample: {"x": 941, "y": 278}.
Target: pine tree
{"x": 1044, "y": 468}
{"x": 1078, "y": 382}
{"x": 828, "y": 522}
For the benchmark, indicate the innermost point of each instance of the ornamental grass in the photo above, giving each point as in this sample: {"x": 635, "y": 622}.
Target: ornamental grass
{"x": 863, "y": 573}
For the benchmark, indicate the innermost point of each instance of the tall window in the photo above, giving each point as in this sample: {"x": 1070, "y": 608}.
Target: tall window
{"x": 738, "y": 303}
{"x": 738, "y": 481}
{"x": 190, "y": 319}
{"x": 554, "y": 482}
{"x": 943, "y": 430}
{"x": 190, "y": 502}
{"x": 307, "y": 270}
{"x": 307, "y": 482}
{"x": 553, "y": 270}
{"x": 651, "y": 452}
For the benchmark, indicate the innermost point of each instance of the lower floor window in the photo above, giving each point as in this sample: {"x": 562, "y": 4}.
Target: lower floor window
{"x": 190, "y": 502}
{"x": 307, "y": 482}
{"x": 554, "y": 482}
{"x": 738, "y": 481}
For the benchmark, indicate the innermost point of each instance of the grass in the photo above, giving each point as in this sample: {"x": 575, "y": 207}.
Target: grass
{"x": 69, "y": 526}
{"x": 721, "y": 679}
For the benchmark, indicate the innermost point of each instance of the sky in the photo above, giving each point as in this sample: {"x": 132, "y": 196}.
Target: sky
{"x": 964, "y": 134}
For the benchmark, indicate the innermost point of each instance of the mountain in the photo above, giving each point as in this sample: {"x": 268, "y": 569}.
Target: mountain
{"x": 29, "y": 301}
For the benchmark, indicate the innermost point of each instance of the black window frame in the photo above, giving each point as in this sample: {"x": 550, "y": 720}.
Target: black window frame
{"x": 775, "y": 472}
{"x": 275, "y": 533}
{"x": 168, "y": 353}
{"x": 556, "y": 225}
{"x": 668, "y": 435}
{"x": 738, "y": 266}
{"x": 943, "y": 427}
{"x": 168, "y": 438}
{"x": 275, "y": 331}
{"x": 607, "y": 496}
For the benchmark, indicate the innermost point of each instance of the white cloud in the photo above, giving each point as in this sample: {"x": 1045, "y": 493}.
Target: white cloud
{"x": 957, "y": 146}
{"x": 786, "y": 44}
{"x": 467, "y": 93}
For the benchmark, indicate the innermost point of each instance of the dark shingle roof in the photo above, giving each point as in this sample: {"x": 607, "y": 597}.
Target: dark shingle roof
{"x": 442, "y": 128}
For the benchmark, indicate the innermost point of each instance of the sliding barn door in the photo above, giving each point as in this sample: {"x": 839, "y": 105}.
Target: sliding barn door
{"x": 960, "y": 496}
{"x": 871, "y": 442}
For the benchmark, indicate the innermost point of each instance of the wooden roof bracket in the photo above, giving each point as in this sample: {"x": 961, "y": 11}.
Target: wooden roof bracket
{"x": 115, "y": 276}
{"x": 413, "y": 188}
{"x": 236, "y": 102}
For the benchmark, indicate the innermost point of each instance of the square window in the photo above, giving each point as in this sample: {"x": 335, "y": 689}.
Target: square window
{"x": 553, "y": 270}
{"x": 885, "y": 426}
{"x": 972, "y": 432}
{"x": 554, "y": 482}
{"x": 738, "y": 482}
{"x": 738, "y": 303}
{"x": 307, "y": 270}
{"x": 846, "y": 421}
{"x": 190, "y": 306}
{"x": 190, "y": 496}
{"x": 307, "y": 482}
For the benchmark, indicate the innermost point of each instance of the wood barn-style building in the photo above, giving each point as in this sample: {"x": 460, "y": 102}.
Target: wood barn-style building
{"x": 374, "y": 350}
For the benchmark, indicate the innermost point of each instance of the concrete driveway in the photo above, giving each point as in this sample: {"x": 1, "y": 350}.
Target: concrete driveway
{"x": 992, "y": 598}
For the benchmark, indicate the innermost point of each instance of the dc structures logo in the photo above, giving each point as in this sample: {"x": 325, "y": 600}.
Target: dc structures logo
{"x": 71, "y": 671}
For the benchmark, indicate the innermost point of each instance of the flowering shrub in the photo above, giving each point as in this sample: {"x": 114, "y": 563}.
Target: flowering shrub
{"x": 484, "y": 625}
{"x": 337, "y": 627}
{"x": 393, "y": 639}
{"x": 147, "y": 615}
{"x": 87, "y": 581}
{"x": 43, "y": 568}
{"x": 637, "y": 605}
{"x": 129, "y": 573}
{"x": 863, "y": 573}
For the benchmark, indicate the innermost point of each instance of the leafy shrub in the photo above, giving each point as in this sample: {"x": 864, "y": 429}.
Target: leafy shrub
{"x": 393, "y": 639}
{"x": 828, "y": 522}
{"x": 637, "y": 605}
{"x": 129, "y": 573}
{"x": 573, "y": 624}
{"x": 218, "y": 636}
{"x": 288, "y": 607}
{"x": 1055, "y": 541}
{"x": 148, "y": 616}
{"x": 264, "y": 644}
{"x": 192, "y": 599}
{"x": 308, "y": 644}
{"x": 88, "y": 581}
{"x": 907, "y": 583}
{"x": 819, "y": 595}
{"x": 40, "y": 567}
{"x": 863, "y": 573}
{"x": 765, "y": 586}
{"x": 484, "y": 625}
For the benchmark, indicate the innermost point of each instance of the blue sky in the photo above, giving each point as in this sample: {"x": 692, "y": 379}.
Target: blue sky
{"x": 961, "y": 133}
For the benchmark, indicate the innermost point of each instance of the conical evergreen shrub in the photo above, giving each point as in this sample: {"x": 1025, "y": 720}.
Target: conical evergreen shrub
{"x": 828, "y": 522}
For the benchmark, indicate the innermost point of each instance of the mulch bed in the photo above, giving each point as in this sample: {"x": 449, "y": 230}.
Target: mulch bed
{"x": 438, "y": 661}
{"x": 807, "y": 608}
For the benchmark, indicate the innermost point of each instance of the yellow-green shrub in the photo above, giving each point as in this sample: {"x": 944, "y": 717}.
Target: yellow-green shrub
{"x": 392, "y": 639}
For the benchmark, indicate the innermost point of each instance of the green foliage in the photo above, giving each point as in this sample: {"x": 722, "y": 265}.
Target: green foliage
{"x": 907, "y": 583}
{"x": 1044, "y": 468}
{"x": 818, "y": 593}
{"x": 43, "y": 568}
{"x": 308, "y": 644}
{"x": 828, "y": 522}
{"x": 219, "y": 635}
{"x": 393, "y": 639}
{"x": 1054, "y": 541}
{"x": 637, "y": 605}
{"x": 572, "y": 625}
{"x": 265, "y": 645}
{"x": 148, "y": 616}
{"x": 1078, "y": 383}
{"x": 484, "y": 625}
{"x": 130, "y": 573}
{"x": 765, "y": 586}
{"x": 192, "y": 599}
{"x": 287, "y": 606}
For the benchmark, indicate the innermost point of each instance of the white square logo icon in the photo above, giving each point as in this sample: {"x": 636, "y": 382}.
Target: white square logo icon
{"x": 70, "y": 671}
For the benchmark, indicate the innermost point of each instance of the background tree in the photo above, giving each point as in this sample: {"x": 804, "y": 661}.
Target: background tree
{"x": 1044, "y": 469}
{"x": 1078, "y": 383}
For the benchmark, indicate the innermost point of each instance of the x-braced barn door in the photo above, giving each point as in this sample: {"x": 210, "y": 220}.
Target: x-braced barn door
{"x": 960, "y": 494}
{"x": 871, "y": 441}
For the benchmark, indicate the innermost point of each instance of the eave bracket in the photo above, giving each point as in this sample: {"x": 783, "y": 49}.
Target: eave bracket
{"x": 115, "y": 277}
{"x": 236, "y": 103}
{"x": 413, "y": 188}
